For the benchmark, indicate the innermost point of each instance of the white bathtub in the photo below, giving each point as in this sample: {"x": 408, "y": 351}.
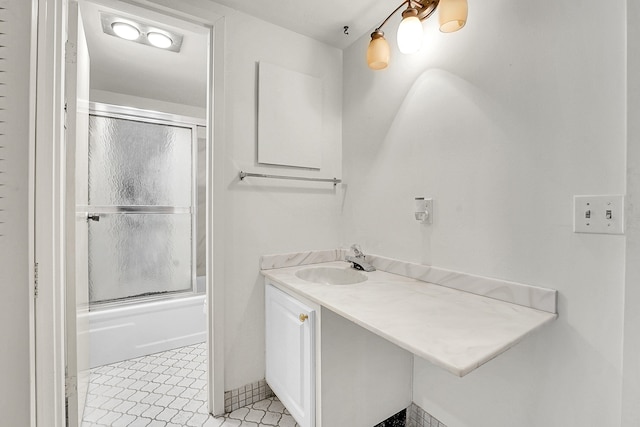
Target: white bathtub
{"x": 134, "y": 330}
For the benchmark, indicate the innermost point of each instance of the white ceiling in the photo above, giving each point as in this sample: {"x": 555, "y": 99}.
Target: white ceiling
{"x": 321, "y": 20}
{"x": 126, "y": 67}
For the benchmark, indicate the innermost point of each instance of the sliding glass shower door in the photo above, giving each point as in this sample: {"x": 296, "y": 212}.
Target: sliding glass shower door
{"x": 142, "y": 207}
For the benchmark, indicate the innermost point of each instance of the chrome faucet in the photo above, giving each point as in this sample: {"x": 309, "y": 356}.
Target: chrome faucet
{"x": 358, "y": 260}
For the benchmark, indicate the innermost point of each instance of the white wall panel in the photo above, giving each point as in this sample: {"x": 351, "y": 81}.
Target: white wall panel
{"x": 15, "y": 26}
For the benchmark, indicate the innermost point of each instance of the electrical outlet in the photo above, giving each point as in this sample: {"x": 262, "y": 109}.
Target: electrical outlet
{"x": 598, "y": 214}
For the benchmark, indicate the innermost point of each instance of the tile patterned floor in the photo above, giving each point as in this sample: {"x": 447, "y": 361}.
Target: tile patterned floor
{"x": 167, "y": 389}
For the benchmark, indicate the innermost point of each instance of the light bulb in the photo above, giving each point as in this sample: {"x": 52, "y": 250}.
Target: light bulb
{"x": 159, "y": 40}
{"x": 410, "y": 32}
{"x": 378, "y": 52}
{"x": 125, "y": 31}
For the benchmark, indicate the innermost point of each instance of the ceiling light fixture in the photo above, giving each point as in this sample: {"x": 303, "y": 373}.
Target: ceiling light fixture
{"x": 139, "y": 32}
{"x": 452, "y": 17}
{"x": 125, "y": 31}
{"x": 159, "y": 40}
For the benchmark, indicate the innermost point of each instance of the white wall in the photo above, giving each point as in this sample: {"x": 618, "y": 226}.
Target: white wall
{"x": 265, "y": 216}
{"x": 631, "y": 379}
{"x": 502, "y": 123}
{"x": 14, "y": 206}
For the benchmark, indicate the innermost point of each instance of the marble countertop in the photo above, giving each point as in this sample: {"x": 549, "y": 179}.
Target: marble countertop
{"x": 453, "y": 329}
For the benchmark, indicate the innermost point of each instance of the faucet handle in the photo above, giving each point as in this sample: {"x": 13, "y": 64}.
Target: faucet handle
{"x": 357, "y": 250}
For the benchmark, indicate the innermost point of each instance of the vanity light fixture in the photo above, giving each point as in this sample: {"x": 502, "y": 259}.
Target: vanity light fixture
{"x": 452, "y": 17}
{"x": 139, "y": 32}
{"x": 410, "y": 32}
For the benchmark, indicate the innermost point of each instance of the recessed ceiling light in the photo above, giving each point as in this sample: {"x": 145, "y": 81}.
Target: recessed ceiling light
{"x": 159, "y": 40}
{"x": 141, "y": 32}
{"x": 126, "y": 31}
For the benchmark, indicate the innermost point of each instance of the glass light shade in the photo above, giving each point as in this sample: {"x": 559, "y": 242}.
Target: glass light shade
{"x": 452, "y": 15}
{"x": 125, "y": 31}
{"x": 159, "y": 40}
{"x": 378, "y": 53}
{"x": 410, "y": 35}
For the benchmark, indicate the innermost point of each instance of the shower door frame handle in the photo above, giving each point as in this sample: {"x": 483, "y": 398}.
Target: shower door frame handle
{"x": 96, "y": 210}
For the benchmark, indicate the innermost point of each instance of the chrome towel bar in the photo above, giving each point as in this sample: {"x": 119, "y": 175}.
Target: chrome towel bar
{"x": 243, "y": 175}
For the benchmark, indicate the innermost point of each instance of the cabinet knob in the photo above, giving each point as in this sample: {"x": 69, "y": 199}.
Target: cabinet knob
{"x": 303, "y": 317}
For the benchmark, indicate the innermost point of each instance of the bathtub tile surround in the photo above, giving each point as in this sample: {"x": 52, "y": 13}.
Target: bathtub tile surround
{"x": 517, "y": 293}
{"x": 169, "y": 389}
{"x": 246, "y": 395}
{"x": 418, "y": 417}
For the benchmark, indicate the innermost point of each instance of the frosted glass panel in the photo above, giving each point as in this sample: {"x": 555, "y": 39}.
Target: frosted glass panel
{"x": 139, "y": 254}
{"x": 138, "y": 163}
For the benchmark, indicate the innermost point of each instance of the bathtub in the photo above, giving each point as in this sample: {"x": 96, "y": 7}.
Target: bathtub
{"x": 135, "y": 330}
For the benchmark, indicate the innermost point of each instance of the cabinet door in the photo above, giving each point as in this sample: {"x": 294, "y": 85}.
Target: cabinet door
{"x": 290, "y": 350}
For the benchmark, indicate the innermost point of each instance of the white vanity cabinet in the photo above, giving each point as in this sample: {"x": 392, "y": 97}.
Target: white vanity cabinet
{"x": 328, "y": 371}
{"x": 290, "y": 353}
{"x": 366, "y": 332}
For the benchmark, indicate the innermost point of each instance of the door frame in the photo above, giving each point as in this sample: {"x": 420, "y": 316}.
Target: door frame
{"x": 48, "y": 180}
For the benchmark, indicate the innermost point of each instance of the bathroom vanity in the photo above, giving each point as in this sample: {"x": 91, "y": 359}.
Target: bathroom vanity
{"x": 328, "y": 371}
{"x": 340, "y": 346}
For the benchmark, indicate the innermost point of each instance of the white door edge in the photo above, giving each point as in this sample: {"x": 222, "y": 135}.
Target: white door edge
{"x": 47, "y": 215}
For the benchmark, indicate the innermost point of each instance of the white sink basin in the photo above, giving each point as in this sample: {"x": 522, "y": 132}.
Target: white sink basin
{"x": 331, "y": 275}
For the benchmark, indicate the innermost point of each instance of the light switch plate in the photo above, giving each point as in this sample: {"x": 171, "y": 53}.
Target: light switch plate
{"x": 598, "y": 214}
